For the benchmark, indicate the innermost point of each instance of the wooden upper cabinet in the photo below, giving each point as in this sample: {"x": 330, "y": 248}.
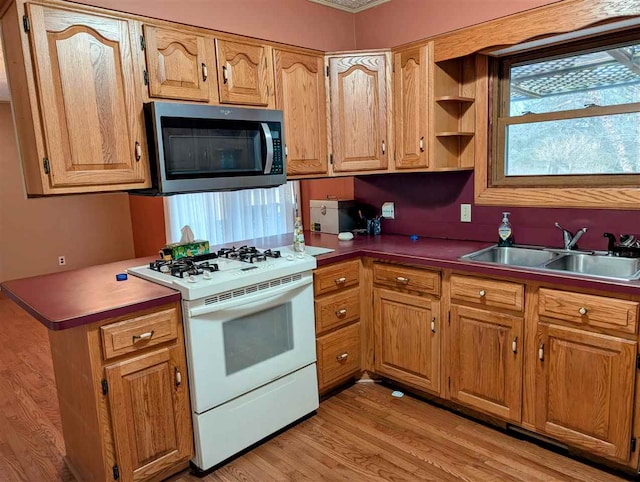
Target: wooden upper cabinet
{"x": 300, "y": 94}
{"x": 407, "y": 338}
{"x": 360, "y": 111}
{"x": 91, "y": 111}
{"x": 585, "y": 384}
{"x": 486, "y": 361}
{"x": 411, "y": 102}
{"x": 178, "y": 64}
{"x": 243, "y": 73}
{"x": 150, "y": 411}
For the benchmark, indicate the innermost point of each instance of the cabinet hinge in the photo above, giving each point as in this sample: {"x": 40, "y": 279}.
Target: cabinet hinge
{"x": 327, "y": 70}
{"x": 105, "y": 386}
{"x": 46, "y": 165}
{"x": 143, "y": 44}
{"x": 449, "y": 382}
{"x": 145, "y": 74}
{"x": 26, "y": 24}
{"x": 449, "y": 319}
{"x": 633, "y": 444}
{"x": 116, "y": 472}
{"x": 638, "y": 361}
{"x": 331, "y": 159}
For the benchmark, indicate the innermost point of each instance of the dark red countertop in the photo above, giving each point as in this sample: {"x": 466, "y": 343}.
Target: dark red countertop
{"x": 77, "y": 297}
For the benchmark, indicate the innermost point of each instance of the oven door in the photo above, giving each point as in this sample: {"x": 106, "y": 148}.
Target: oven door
{"x": 238, "y": 345}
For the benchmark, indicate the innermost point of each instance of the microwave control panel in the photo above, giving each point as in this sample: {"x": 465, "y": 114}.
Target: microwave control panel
{"x": 278, "y": 165}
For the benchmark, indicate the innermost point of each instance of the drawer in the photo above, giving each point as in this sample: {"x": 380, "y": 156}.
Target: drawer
{"x": 337, "y": 309}
{"x": 589, "y": 310}
{"x": 338, "y": 355}
{"x": 336, "y": 277}
{"x": 141, "y": 332}
{"x": 407, "y": 278}
{"x": 501, "y": 294}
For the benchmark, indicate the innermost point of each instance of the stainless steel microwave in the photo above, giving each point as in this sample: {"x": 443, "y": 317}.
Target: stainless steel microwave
{"x": 196, "y": 148}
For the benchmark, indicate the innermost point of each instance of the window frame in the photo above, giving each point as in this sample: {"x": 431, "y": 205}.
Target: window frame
{"x": 500, "y": 118}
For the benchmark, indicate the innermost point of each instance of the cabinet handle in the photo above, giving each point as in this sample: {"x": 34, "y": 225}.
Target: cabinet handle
{"x": 582, "y": 310}
{"x": 138, "y": 151}
{"x": 384, "y": 148}
{"x": 178, "y": 376}
{"x": 341, "y": 313}
{"x": 225, "y": 75}
{"x": 340, "y": 281}
{"x": 286, "y": 151}
{"x": 433, "y": 324}
{"x": 144, "y": 336}
{"x": 422, "y": 144}
{"x": 541, "y": 352}
{"x": 342, "y": 357}
{"x": 482, "y": 293}
{"x": 205, "y": 72}
{"x": 514, "y": 345}
{"x": 403, "y": 280}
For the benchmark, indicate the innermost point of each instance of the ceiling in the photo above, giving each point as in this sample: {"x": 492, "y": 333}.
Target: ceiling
{"x": 4, "y": 88}
{"x": 353, "y": 6}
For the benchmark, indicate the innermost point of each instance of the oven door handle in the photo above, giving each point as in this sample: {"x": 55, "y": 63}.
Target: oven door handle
{"x": 266, "y": 131}
{"x": 251, "y": 300}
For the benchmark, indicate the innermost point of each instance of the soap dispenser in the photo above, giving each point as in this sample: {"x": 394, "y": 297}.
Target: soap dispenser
{"x": 505, "y": 233}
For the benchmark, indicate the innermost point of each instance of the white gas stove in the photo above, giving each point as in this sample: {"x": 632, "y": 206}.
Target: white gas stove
{"x": 250, "y": 341}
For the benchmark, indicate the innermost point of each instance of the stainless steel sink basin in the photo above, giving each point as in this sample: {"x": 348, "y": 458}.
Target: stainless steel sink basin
{"x": 512, "y": 256}
{"x": 595, "y": 265}
{"x": 538, "y": 258}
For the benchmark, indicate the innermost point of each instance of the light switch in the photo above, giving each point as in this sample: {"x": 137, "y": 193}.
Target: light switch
{"x": 388, "y": 210}
{"x": 465, "y": 213}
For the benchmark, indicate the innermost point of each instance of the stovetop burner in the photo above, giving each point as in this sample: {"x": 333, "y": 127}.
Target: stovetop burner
{"x": 248, "y": 254}
{"x": 184, "y": 267}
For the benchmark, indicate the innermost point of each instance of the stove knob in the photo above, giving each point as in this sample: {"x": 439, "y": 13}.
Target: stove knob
{"x": 164, "y": 269}
{"x": 191, "y": 279}
{"x": 207, "y": 275}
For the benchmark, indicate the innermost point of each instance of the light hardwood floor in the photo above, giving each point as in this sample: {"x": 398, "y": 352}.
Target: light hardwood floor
{"x": 361, "y": 434}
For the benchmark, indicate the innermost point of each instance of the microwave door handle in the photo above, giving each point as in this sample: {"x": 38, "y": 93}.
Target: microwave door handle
{"x": 269, "y": 140}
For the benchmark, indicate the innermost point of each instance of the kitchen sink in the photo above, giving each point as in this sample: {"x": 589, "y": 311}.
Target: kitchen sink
{"x": 539, "y": 258}
{"x": 597, "y": 265}
{"x": 512, "y": 256}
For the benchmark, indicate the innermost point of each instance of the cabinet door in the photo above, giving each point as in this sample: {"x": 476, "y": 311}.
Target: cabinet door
{"x": 243, "y": 73}
{"x": 359, "y": 112}
{"x": 91, "y": 113}
{"x": 151, "y": 415}
{"x": 411, "y": 103}
{"x": 300, "y": 94}
{"x": 407, "y": 338}
{"x": 584, "y": 389}
{"x": 178, "y": 64}
{"x": 486, "y": 361}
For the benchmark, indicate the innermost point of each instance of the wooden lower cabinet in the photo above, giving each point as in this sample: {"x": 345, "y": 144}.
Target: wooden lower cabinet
{"x": 124, "y": 417}
{"x": 585, "y": 385}
{"x": 486, "y": 361}
{"x": 407, "y": 338}
{"x": 338, "y": 356}
{"x": 150, "y": 412}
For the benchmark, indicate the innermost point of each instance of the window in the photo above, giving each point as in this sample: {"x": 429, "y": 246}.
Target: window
{"x": 569, "y": 116}
{"x": 225, "y": 217}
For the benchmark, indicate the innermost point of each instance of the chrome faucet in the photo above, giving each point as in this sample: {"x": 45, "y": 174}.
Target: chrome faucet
{"x": 571, "y": 240}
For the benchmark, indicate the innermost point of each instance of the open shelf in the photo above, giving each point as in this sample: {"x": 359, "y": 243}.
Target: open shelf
{"x": 455, "y": 98}
{"x": 454, "y": 134}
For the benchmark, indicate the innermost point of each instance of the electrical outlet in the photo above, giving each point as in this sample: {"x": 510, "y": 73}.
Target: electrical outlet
{"x": 465, "y": 213}
{"x": 62, "y": 260}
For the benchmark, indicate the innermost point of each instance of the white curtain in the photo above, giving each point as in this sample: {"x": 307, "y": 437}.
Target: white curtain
{"x": 225, "y": 217}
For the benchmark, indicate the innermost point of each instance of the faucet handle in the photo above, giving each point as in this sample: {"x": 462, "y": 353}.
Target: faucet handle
{"x": 557, "y": 225}
{"x": 612, "y": 241}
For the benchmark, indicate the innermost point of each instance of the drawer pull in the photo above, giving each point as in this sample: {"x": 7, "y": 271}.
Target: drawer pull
{"x": 138, "y": 149}
{"x": 205, "y": 72}
{"x": 178, "y": 377}
{"x": 482, "y": 293}
{"x": 341, "y": 313}
{"x": 514, "y": 345}
{"x": 340, "y": 281}
{"x": 144, "y": 336}
{"x": 342, "y": 357}
{"x": 403, "y": 280}
{"x": 433, "y": 324}
{"x": 582, "y": 310}
{"x": 541, "y": 352}
{"x": 422, "y": 144}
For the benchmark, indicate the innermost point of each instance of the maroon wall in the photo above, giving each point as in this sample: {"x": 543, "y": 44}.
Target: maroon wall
{"x": 428, "y": 204}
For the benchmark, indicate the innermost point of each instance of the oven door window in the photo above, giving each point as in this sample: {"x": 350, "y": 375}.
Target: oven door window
{"x": 255, "y": 338}
{"x": 201, "y": 148}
